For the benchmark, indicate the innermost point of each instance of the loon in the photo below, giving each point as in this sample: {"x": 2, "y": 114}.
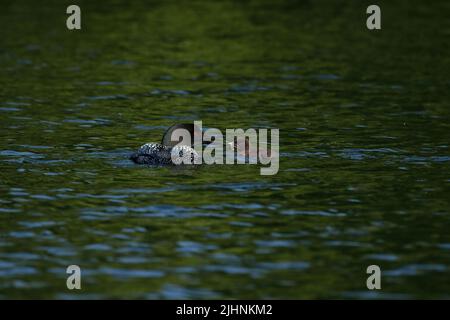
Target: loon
{"x": 160, "y": 153}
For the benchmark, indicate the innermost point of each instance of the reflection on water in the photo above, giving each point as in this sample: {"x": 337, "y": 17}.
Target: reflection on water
{"x": 364, "y": 170}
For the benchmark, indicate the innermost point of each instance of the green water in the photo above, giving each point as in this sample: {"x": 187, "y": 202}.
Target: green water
{"x": 364, "y": 144}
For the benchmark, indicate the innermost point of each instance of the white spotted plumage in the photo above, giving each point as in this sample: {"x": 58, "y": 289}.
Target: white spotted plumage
{"x": 158, "y": 154}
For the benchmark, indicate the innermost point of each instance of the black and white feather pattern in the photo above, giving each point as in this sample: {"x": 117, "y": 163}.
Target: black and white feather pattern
{"x": 158, "y": 154}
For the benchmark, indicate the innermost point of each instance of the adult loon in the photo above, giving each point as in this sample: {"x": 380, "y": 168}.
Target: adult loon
{"x": 161, "y": 153}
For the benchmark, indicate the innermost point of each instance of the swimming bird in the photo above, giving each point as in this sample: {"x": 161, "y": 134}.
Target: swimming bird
{"x": 161, "y": 153}
{"x": 244, "y": 149}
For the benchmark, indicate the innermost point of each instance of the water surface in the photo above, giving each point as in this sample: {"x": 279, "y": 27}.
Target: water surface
{"x": 364, "y": 172}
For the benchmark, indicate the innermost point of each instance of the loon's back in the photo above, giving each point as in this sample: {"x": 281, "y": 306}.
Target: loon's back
{"x": 153, "y": 154}
{"x": 158, "y": 154}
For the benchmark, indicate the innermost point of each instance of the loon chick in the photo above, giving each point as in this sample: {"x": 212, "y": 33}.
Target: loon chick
{"x": 161, "y": 153}
{"x": 244, "y": 150}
